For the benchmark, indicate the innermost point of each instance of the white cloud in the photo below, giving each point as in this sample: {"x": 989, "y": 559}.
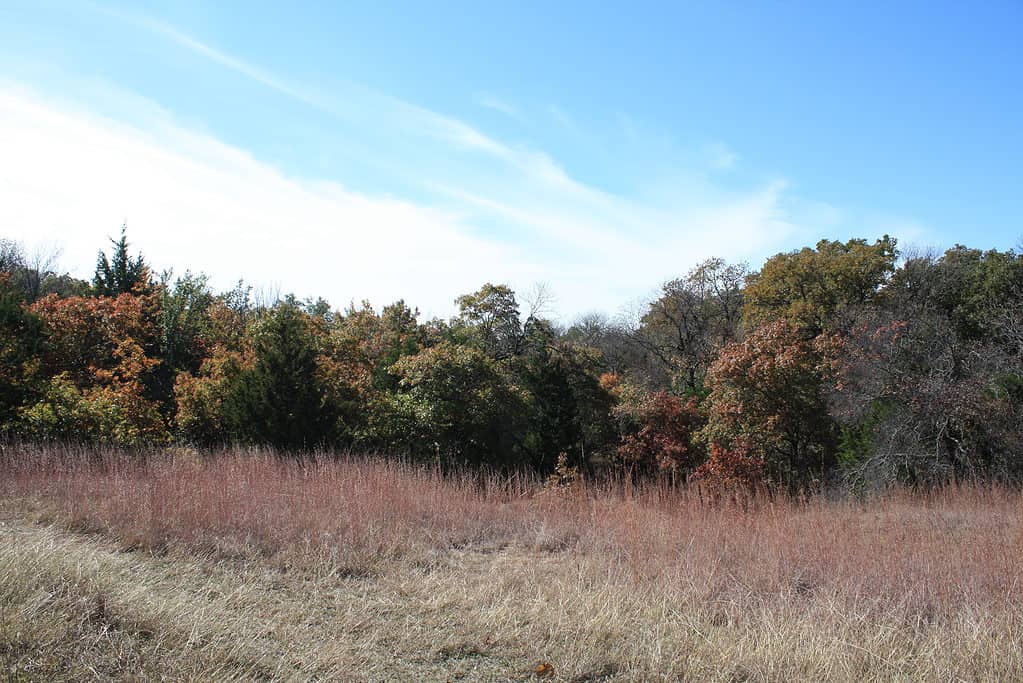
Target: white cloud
{"x": 452, "y": 206}
{"x": 485, "y": 210}
{"x": 191, "y": 201}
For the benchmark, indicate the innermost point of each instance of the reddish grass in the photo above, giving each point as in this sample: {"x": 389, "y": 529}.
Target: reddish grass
{"x": 927, "y": 556}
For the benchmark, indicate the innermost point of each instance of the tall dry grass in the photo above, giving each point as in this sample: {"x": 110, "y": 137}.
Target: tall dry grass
{"x": 897, "y": 582}
{"x": 926, "y": 551}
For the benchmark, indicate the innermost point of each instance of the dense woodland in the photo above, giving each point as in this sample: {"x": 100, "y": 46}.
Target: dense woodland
{"x": 844, "y": 364}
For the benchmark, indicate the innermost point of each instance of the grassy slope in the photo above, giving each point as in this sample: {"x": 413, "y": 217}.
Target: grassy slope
{"x": 627, "y": 589}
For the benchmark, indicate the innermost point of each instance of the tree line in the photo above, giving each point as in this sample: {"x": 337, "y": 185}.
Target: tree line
{"x": 846, "y": 363}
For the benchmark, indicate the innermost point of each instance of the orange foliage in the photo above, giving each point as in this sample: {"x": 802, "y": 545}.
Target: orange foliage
{"x": 104, "y": 340}
{"x": 99, "y": 359}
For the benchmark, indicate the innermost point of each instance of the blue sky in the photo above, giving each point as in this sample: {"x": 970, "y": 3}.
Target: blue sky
{"x": 417, "y": 150}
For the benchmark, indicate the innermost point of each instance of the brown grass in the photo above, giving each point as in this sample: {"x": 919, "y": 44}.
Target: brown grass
{"x": 245, "y": 565}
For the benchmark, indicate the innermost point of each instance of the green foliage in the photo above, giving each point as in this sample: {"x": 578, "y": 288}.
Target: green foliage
{"x": 569, "y": 409}
{"x": 184, "y": 326}
{"x": 199, "y": 399}
{"x": 120, "y": 274}
{"x": 184, "y": 333}
{"x": 368, "y": 344}
{"x": 21, "y": 346}
{"x": 811, "y": 287}
{"x": 490, "y": 317}
{"x": 320, "y": 308}
{"x": 455, "y": 403}
{"x": 280, "y": 399}
{"x": 115, "y": 415}
{"x": 229, "y": 316}
{"x": 968, "y": 287}
{"x": 858, "y": 442}
{"x": 830, "y": 361}
{"x": 1007, "y": 385}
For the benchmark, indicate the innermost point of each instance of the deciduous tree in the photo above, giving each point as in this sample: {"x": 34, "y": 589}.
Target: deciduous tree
{"x": 810, "y": 287}
{"x": 455, "y": 403}
{"x": 768, "y": 397}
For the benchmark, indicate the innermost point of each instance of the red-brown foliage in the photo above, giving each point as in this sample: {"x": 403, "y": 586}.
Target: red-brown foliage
{"x": 768, "y": 398}
{"x": 735, "y": 468}
{"x": 664, "y": 440}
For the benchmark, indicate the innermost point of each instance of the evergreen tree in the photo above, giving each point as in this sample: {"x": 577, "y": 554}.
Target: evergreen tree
{"x": 21, "y": 341}
{"x": 280, "y": 400}
{"x": 120, "y": 274}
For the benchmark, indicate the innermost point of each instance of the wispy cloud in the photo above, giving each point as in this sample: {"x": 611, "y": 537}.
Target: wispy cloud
{"x": 628, "y": 127}
{"x": 484, "y": 210}
{"x": 562, "y": 117}
{"x": 721, "y": 156}
{"x": 193, "y": 201}
{"x": 499, "y": 105}
{"x": 394, "y": 111}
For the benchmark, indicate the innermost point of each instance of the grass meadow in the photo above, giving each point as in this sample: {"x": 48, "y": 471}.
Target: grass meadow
{"x": 241, "y": 565}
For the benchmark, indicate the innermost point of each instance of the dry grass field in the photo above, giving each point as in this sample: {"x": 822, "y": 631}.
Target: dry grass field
{"x": 248, "y": 567}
